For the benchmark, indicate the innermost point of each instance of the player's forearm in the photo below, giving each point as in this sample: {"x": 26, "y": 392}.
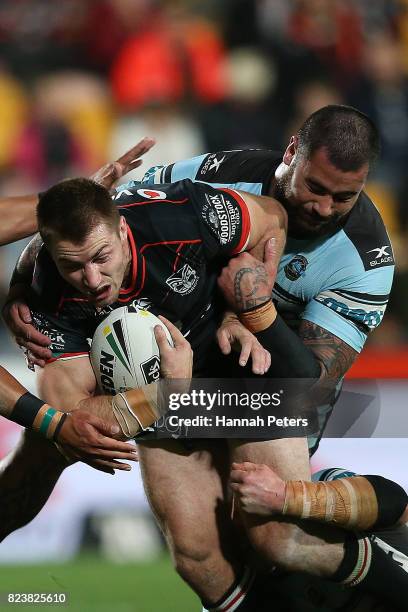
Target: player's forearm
{"x": 18, "y": 405}
{"x": 10, "y": 392}
{"x": 360, "y": 502}
{"x": 290, "y": 358}
{"x": 18, "y": 217}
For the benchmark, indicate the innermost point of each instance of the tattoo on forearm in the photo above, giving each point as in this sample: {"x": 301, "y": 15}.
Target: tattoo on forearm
{"x": 255, "y": 280}
{"x": 334, "y": 355}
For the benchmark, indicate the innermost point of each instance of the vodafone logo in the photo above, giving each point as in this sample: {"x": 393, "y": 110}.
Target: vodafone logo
{"x": 152, "y": 194}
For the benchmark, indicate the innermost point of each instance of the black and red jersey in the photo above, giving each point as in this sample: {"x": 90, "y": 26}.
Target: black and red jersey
{"x": 179, "y": 236}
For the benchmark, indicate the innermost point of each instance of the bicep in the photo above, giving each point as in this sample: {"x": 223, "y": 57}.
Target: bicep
{"x": 65, "y": 383}
{"x": 334, "y": 355}
{"x": 267, "y": 219}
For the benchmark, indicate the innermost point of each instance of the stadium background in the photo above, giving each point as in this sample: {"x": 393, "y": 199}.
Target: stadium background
{"x": 80, "y": 82}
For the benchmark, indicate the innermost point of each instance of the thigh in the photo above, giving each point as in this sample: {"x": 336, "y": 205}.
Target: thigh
{"x": 187, "y": 489}
{"x": 289, "y": 457}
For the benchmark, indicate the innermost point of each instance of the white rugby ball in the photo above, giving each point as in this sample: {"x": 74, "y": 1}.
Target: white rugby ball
{"x": 124, "y": 351}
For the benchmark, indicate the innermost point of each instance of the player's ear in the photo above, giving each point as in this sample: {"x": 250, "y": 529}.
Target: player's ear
{"x": 122, "y": 229}
{"x": 291, "y": 150}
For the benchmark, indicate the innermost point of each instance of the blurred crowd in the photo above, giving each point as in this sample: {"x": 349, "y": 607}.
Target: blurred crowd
{"x": 83, "y": 80}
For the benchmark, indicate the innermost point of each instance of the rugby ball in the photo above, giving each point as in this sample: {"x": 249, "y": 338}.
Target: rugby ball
{"x": 124, "y": 351}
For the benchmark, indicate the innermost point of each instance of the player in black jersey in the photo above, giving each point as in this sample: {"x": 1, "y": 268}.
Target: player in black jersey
{"x": 87, "y": 436}
{"x": 161, "y": 246}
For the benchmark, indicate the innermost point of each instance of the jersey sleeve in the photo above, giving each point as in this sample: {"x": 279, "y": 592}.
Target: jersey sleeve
{"x": 185, "y": 169}
{"x": 223, "y": 218}
{"x": 351, "y": 309}
{"x": 246, "y": 170}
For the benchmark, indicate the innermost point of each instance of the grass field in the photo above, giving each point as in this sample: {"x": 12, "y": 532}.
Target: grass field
{"x": 95, "y": 585}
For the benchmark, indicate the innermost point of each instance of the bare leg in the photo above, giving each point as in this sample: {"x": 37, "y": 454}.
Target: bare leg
{"x": 315, "y": 549}
{"x": 189, "y": 501}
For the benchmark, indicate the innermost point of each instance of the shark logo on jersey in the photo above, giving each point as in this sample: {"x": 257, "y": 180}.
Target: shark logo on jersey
{"x": 382, "y": 256}
{"x": 183, "y": 281}
{"x": 296, "y": 267}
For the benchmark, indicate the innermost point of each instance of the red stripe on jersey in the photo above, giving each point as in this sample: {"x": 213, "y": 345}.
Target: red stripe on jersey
{"x": 246, "y": 220}
{"x": 177, "y": 257}
{"x": 67, "y": 355}
{"x": 151, "y": 201}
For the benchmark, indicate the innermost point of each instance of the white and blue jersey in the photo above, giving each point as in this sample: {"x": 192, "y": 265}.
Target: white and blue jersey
{"x": 340, "y": 282}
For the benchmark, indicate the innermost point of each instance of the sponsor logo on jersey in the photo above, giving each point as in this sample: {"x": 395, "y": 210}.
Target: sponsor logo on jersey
{"x": 370, "y": 318}
{"x": 57, "y": 338}
{"x": 222, "y": 216}
{"x": 296, "y": 267}
{"x": 212, "y": 163}
{"x": 152, "y": 194}
{"x": 184, "y": 280}
{"x": 151, "y": 369}
{"x": 382, "y": 256}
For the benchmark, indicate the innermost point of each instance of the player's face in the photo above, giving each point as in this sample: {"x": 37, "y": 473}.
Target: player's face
{"x": 96, "y": 267}
{"x": 317, "y": 195}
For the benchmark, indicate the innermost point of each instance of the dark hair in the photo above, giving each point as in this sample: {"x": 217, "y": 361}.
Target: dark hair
{"x": 73, "y": 208}
{"x": 350, "y": 137}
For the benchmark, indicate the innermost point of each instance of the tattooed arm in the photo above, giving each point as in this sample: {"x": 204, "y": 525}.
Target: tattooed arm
{"x": 333, "y": 354}
{"x": 247, "y": 283}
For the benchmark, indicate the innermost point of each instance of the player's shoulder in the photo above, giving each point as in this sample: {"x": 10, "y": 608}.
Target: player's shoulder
{"x": 366, "y": 231}
{"x": 243, "y": 165}
{"x": 134, "y": 193}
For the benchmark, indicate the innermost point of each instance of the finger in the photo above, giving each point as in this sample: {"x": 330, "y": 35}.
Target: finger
{"x": 258, "y": 359}
{"x": 103, "y": 453}
{"x": 24, "y": 313}
{"x": 161, "y": 339}
{"x": 100, "y": 468}
{"x": 268, "y": 361}
{"x": 109, "y": 463}
{"x": 244, "y": 466}
{"x": 245, "y": 353}
{"x": 224, "y": 342}
{"x": 175, "y": 333}
{"x": 139, "y": 149}
{"x": 33, "y": 335}
{"x": 271, "y": 255}
{"x": 237, "y": 476}
{"x": 38, "y": 352}
{"x": 109, "y": 444}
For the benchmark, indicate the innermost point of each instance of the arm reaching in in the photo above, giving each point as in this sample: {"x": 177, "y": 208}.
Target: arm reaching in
{"x": 19, "y": 213}
{"x": 356, "y": 503}
{"x": 88, "y": 434}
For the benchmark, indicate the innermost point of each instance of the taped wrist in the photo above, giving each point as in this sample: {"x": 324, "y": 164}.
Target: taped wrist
{"x": 350, "y": 503}
{"x": 135, "y": 410}
{"x": 31, "y": 412}
{"x": 259, "y": 318}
